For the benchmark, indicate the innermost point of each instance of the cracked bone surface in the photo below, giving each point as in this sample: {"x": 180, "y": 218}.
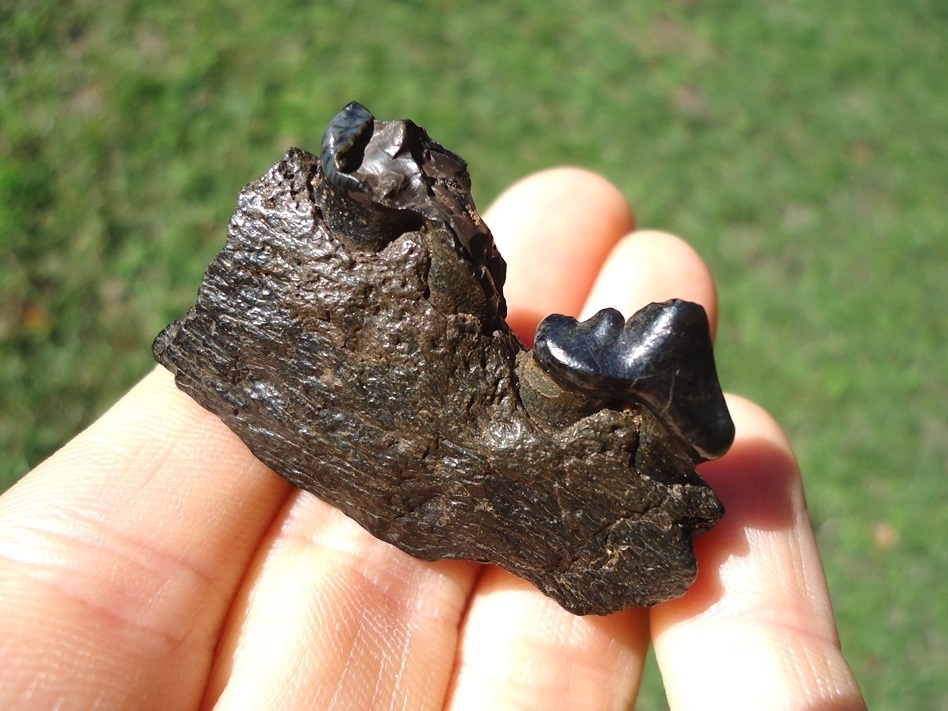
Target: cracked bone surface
{"x": 351, "y": 332}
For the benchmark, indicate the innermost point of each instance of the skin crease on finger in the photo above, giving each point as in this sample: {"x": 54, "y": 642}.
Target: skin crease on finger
{"x": 333, "y": 618}
{"x": 120, "y": 555}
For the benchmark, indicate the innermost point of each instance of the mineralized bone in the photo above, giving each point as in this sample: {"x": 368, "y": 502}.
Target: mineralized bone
{"x": 351, "y": 332}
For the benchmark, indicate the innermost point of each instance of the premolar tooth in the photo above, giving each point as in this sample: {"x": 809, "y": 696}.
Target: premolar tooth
{"x": 662, "y": 358}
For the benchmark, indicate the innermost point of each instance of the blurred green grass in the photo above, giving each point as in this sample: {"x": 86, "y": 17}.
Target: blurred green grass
{"x": 802, "y": 147}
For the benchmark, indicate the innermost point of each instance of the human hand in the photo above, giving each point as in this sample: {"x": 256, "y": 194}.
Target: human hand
{"x": 155, "y": 563}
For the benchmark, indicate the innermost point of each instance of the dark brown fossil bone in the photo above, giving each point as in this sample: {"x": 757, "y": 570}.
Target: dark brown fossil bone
{"x": 351, "y": 332}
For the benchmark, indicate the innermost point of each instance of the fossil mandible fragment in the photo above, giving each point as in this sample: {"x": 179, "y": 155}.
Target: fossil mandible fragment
{"x": 351, "y": 332}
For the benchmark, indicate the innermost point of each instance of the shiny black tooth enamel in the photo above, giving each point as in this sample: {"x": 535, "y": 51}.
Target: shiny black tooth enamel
{"x": 662, "y": 357}
{"x": 343, "y": 145}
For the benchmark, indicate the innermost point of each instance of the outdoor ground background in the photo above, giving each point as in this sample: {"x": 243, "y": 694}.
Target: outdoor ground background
{"x": 801, "y": 146}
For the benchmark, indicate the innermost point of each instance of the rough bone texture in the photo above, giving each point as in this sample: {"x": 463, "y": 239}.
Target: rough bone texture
{"x": 385, "y": 381}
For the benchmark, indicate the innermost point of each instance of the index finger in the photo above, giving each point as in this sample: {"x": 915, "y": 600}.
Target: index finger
{"x": 121, "y": 554}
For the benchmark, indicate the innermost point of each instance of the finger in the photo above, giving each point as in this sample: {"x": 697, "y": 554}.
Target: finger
{"x": 331, "y": 617}
{"x": 520, "y": 649}
{"x": 555, "y": 229}
{"x": 650, "y": 266}
{"x": 757, "y": 629}
{"x": 122, "y": 552}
